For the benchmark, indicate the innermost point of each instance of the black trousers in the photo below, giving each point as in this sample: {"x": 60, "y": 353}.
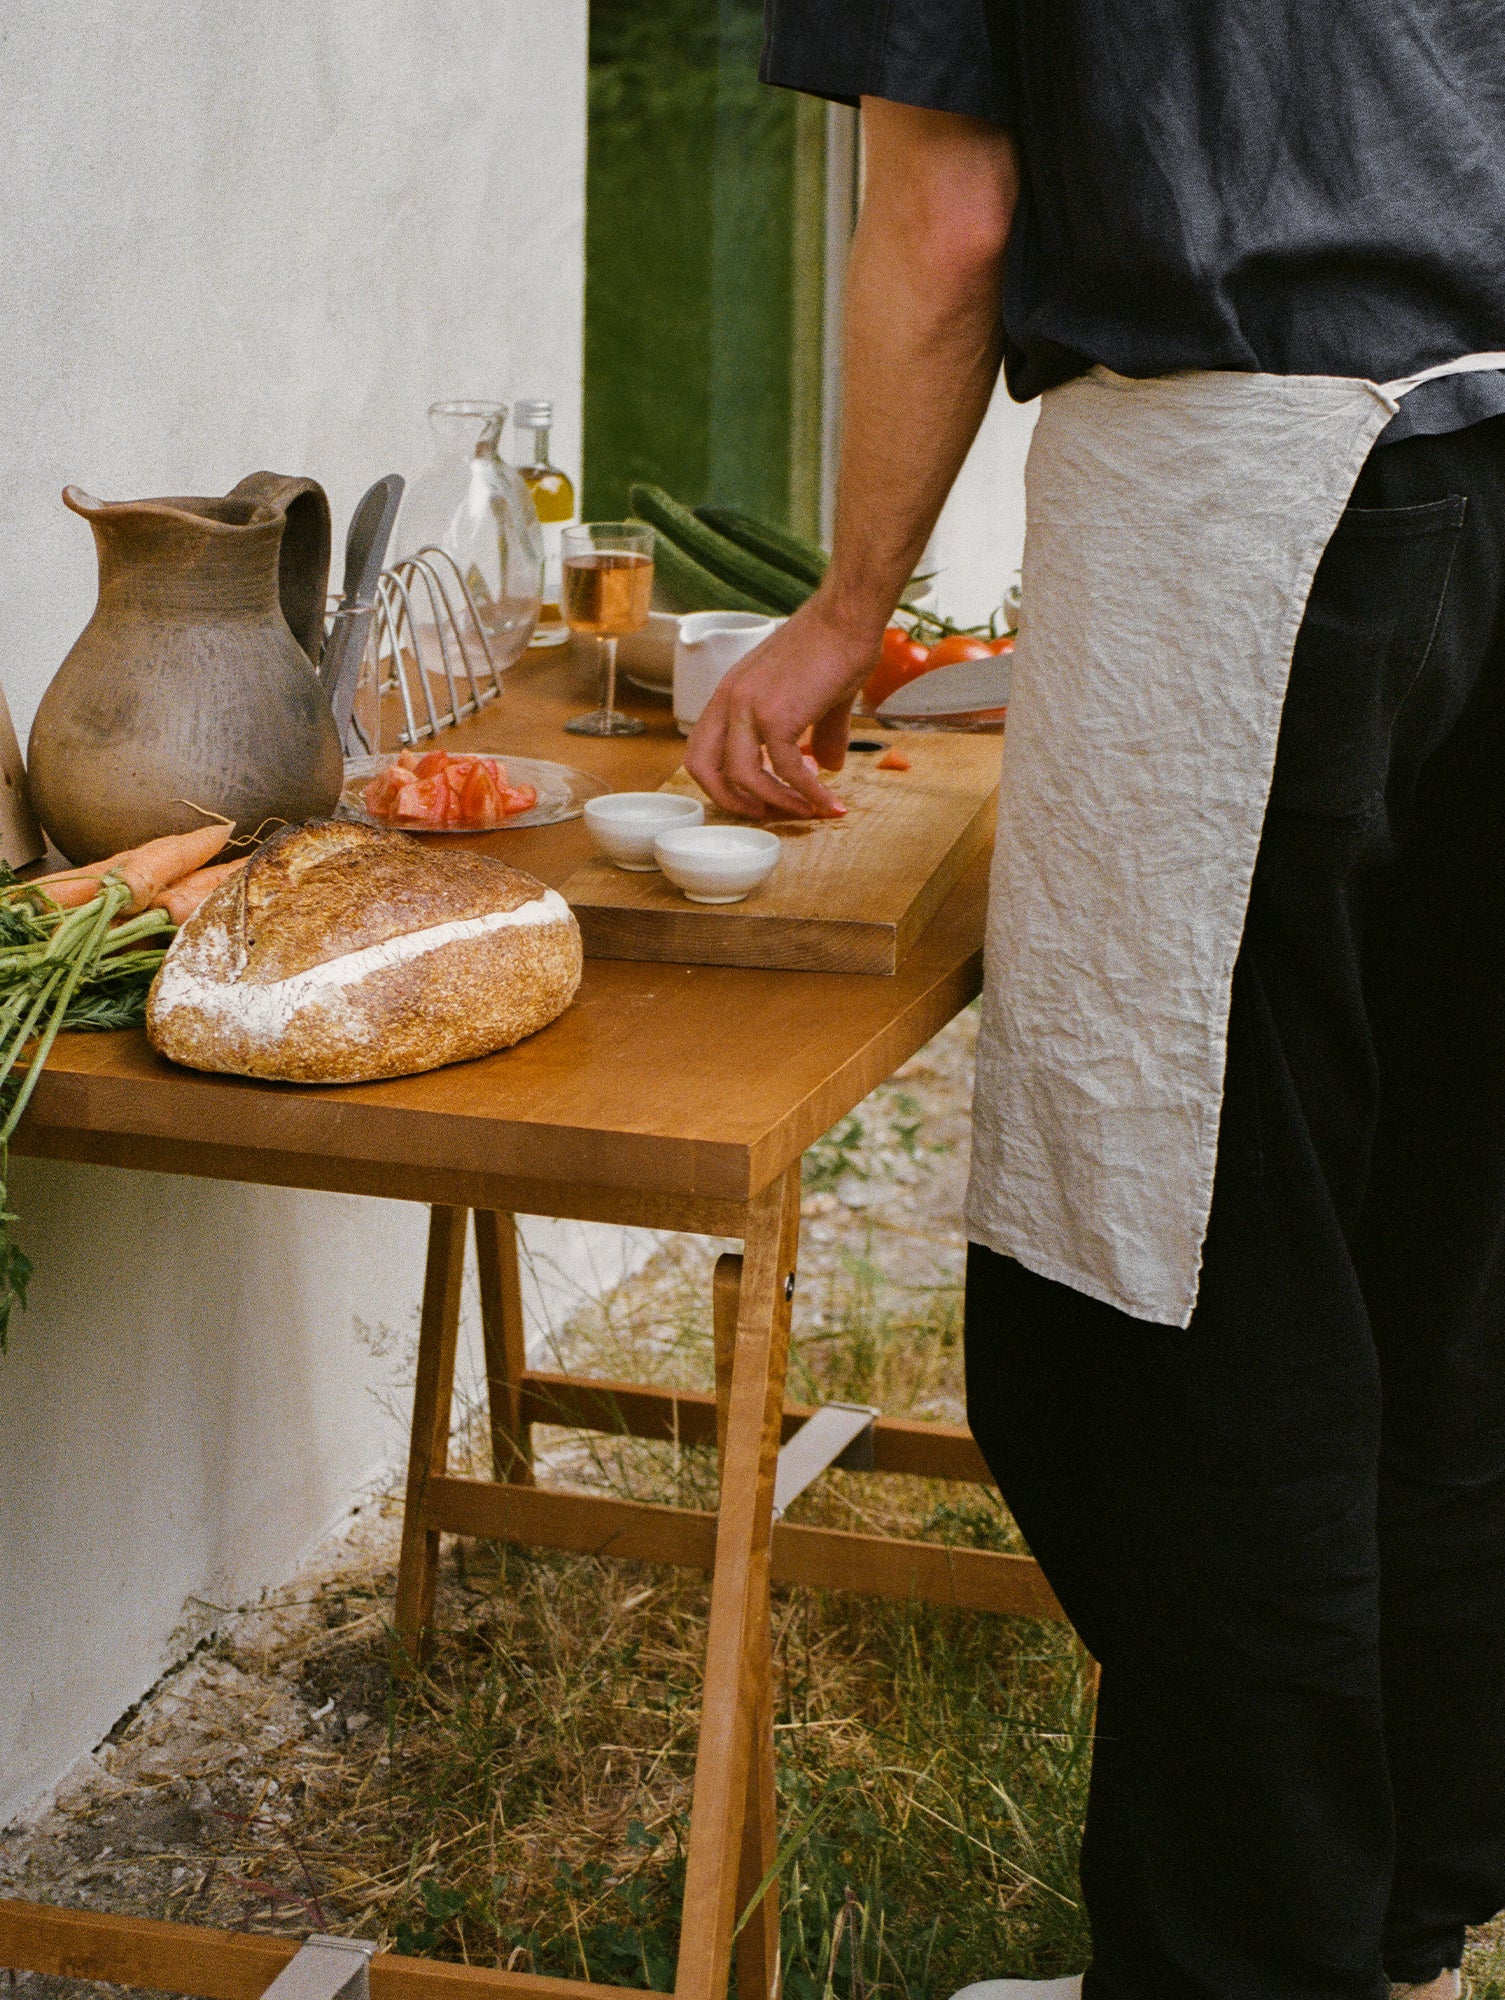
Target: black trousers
{"x": 1282, "y": 1531}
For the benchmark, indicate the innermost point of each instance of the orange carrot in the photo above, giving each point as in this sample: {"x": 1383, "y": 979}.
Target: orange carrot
{"x": 93, "y": 871}
{"x": 183, "y": 898}
{"x": 159, "y": 863}
{"x": 892, "y": 760}
{"x": 148, "y": 869}
{"x": 68, "y": 891}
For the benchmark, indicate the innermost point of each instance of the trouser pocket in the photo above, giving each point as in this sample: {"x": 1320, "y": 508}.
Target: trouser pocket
{"x": 1362, "y": 649}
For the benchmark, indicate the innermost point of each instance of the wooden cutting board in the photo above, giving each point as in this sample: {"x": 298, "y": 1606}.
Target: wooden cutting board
{"x": 847, "y": 896}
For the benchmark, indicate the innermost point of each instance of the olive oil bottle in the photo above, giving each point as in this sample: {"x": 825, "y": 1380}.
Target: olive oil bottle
{"x": 554, "y": 497}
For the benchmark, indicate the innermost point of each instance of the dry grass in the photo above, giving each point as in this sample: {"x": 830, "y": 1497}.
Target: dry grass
{"x": 524, "y": 1800}
{"x": 528, "y": 1800}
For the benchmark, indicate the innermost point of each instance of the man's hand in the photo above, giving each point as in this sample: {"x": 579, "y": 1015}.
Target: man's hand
{"x": 804, "y": 675}
{"x": 923, "y": 311}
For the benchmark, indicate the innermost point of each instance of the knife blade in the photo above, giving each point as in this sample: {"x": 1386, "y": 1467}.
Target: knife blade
{"x": 966, "y": 687}
{"x": 366, "y": 542}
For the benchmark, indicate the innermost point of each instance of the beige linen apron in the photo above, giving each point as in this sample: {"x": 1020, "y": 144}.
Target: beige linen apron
{"x": 1174, "y": 528}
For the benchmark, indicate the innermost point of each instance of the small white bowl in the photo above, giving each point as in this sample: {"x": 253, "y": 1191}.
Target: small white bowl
{"x": 647, "y": 655}
{"x": 717, "y": 864}
{"x": 624, "y": 825}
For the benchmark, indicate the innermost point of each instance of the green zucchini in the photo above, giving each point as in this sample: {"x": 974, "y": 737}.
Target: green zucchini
{"x": 693, "y": 588}
{"x": 785, "y": 551}
{"x": 778, "y": 590}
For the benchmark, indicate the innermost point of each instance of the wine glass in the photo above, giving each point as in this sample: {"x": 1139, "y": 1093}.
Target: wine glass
{"x": 608, "y": 584}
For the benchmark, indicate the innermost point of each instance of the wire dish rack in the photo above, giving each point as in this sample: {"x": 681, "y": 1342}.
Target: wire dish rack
{"x": 428, "y": 660}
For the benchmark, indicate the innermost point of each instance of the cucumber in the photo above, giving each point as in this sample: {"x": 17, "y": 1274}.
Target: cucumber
{"x": 785, "y": 551}
{"x": 693, "y": 588}
{"x": 778, "y": 590}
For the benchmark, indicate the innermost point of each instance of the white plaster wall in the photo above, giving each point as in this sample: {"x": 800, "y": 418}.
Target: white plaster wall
{"x": 236, "y": 237}
{"x": 203, "y": 1377}
{"x": 269, "y": 235}
{"x": 979, "y": 540}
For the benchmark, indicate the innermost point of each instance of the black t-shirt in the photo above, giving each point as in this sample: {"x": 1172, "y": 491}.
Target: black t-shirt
{"x": 1311, "y": 187}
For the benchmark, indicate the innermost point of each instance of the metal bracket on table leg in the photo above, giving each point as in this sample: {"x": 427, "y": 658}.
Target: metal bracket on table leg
{"x": 838, "y": 1434}
{"x": 325, "y": 1968}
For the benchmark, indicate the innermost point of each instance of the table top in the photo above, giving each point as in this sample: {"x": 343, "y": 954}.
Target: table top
{"x": 695, "y": 1081}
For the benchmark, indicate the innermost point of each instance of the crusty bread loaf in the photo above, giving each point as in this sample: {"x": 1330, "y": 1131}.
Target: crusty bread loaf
{"x": 342, "y": 953}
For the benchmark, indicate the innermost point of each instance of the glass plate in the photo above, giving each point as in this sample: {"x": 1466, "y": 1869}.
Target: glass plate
{"x": 562, "y": 793}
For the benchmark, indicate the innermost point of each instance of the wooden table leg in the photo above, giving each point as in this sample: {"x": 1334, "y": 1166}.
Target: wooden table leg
{"x": 428, "y": 1450}
{"x": 726, "y": 1302}
{"x": 758, "y": 1944}
{"x": 506, "y": 1346}
{"x": 737, "y": 1645}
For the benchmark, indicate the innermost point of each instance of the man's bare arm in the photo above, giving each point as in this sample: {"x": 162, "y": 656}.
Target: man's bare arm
{"x": 921, "y": 356}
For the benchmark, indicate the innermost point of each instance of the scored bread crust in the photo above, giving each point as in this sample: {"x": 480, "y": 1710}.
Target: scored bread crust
{"x": 342, "y": 954}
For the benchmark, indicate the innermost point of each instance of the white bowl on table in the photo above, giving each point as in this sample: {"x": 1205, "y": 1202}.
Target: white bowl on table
{"x": 717, "y": 864}
{"x": 624, "y": 825}
{"x": 647, "y": 655}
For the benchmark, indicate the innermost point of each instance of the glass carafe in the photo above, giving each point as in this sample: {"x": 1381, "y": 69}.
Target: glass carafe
{"x": 473, "y": 505}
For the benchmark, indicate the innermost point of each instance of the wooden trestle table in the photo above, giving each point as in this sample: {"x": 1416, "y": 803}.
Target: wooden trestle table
{"x": 676, "y": 1096}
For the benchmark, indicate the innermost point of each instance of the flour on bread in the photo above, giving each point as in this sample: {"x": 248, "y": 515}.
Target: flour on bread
{"x": 195, "y": 978}
{"x": 344, "y": 954}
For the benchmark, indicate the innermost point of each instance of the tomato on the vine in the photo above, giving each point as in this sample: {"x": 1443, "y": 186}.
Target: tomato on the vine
{"x": 900, "y": 660}
{"x": 948, "y": 651}
{"x": 905, "y": 658}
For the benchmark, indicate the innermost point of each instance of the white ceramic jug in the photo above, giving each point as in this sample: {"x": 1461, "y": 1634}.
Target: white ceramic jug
{"x": 710, "y": 643}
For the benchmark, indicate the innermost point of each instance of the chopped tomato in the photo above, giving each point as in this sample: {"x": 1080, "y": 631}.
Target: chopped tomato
{"x": 439, "y": 789}
{"x": 382, "y": 792}
{"x": 422, "y": 798}
{"x": 477, "y": 800}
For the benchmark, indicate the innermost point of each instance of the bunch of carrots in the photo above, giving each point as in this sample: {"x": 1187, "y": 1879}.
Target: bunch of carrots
{"x": 79, "y": 950}
{"x": 171, "y": 874}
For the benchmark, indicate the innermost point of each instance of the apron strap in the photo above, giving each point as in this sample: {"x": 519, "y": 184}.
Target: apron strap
{"x": 1470, "y": 364}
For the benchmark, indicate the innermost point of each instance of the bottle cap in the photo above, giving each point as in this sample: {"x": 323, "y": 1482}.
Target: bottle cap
{"x": 533, "y": 413}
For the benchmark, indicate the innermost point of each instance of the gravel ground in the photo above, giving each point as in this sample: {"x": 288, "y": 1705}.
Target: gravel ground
{"x": 189, "y": 1809}
{"x": 234, "y": 1793}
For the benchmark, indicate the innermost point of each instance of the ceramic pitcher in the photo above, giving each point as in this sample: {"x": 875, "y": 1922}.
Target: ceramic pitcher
{"x": 709, "y": 645}
{"x": 192, "y": 690}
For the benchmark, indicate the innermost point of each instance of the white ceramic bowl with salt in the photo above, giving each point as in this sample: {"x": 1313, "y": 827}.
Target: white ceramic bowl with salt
{"x": 624, "y": 825}
{"x": 717, "y": 864}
